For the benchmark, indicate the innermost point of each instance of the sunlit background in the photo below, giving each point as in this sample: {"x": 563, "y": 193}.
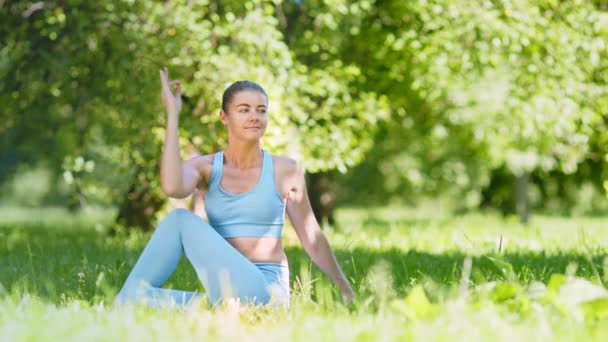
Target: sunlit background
{"x": 432, "y": 131}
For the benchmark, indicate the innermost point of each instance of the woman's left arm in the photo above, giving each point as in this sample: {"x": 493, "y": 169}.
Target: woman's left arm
{"x": 309, "y": 232}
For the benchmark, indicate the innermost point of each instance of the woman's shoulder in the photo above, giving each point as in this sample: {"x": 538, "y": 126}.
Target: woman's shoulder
{"x": 284, "y": 162}
{"x": 289, "y": 175}
{"x": 286, "y": 166}
{"x": 203, "y": 163}
{"x": 202, "y": 160}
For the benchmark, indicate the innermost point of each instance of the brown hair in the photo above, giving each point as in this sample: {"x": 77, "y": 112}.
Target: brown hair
{"x": 238, "y": 87}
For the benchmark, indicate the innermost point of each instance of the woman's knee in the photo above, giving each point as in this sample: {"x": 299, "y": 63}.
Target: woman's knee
{"x": 178, "y": 214}
{"x": 193, "y": 223}
{"x": 184, "y": 219}
{"x": 175, "y": 217}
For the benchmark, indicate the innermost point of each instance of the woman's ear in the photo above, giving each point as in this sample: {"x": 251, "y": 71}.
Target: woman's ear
{"x": 224, "y": 117}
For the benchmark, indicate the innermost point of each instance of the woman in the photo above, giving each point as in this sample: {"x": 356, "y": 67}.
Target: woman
{"x": 238, "y": 254}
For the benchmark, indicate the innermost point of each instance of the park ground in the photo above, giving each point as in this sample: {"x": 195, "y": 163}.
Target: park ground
{"x": 419, "y": 274}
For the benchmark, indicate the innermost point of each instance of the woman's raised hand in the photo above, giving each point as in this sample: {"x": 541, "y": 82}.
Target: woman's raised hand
{"x": 173, "y": 103}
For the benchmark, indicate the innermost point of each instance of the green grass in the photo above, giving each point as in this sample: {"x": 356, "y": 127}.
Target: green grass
{"x": 60, "y": 271}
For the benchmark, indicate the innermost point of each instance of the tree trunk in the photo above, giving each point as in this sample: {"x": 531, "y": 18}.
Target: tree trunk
{"x": 321, "y": 191}
{"x": 522, "y": 205}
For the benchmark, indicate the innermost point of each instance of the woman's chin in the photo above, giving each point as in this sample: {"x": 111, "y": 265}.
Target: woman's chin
{"x": 254, "y": 133}
{"x": 252, "y": 137}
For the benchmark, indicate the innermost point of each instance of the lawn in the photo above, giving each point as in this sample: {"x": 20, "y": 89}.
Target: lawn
{"x": 419, "y": 275}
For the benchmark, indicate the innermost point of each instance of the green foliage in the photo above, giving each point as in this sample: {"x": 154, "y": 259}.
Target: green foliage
{"x": 438, "y": 97}
{"x": 81, "y": 83}
{"x": 416, "y": 305}
{"x": 596, "y": 309}
{"x": 504, "y": 291}
{"x": 473, "y": 88}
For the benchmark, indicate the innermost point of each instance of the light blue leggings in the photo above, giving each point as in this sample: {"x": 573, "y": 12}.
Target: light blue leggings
{"x": 224, "y": 272}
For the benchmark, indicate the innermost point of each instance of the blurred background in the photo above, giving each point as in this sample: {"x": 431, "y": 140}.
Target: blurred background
{"x": 450, "y": 106}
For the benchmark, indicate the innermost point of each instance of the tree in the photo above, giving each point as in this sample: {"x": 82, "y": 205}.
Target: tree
{"x": 473, "y": 88}
{"x": 102, "y": 60}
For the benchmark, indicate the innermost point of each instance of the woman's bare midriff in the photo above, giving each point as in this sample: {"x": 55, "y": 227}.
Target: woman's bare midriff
{"x": 260, "y": 249}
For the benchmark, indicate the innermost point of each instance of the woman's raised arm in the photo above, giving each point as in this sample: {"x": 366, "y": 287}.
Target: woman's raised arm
{"x": 177, "y": 179}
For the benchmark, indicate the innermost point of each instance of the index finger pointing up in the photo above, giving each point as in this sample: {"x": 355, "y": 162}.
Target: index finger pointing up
{"x": 164, "y": 77}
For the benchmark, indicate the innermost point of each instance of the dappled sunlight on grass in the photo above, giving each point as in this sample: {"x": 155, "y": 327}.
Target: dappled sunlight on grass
{"x": 540, "y": 282}
{"x": 92, "y": 218}
{"x": 473, "y": 234}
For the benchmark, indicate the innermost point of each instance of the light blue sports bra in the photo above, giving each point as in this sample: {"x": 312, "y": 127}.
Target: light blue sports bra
{"x": 259, "y": 212}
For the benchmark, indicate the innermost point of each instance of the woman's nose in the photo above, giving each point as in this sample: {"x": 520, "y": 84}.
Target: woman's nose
{"x": 254, "y": 116}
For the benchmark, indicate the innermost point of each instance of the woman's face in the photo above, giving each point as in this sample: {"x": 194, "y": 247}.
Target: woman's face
{"x": 247, "y": 115}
